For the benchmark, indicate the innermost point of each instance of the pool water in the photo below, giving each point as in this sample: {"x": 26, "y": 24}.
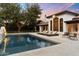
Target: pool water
{"x": 21, "y": 43}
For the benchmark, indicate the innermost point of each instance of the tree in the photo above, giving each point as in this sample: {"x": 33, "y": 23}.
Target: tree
{"x": 22, "y": 20}
{"x": 13, "y": 11}
{"x": 32, "y": 14}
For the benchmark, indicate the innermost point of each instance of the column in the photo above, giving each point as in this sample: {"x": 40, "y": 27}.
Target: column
{"x": 49, "y": 26}
{"x": 40, "y": 28}
{"x": 52, "y": 21}
{"x": 60, "y": 33}
{"x": 52, "y": 24}
{"x": 58, "y": 25}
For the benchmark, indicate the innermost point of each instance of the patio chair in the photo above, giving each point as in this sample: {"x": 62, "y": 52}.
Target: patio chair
{"x": 73, "y": 36}
{"x": 49, "y": 33}
{"x": 54, "y": 33}
{"x": 66, "y": 34}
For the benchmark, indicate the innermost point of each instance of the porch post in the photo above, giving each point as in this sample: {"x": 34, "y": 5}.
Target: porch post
{"x": 52, "y": 22}
{"x": 49, "y": 26}
{"x": 58, "y": 25}
{"x": 40, "y": 28}
{"x": 60, "y": 33}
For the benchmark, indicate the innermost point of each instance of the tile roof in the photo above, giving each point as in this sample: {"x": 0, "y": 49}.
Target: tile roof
{"x": 60, "y": 11}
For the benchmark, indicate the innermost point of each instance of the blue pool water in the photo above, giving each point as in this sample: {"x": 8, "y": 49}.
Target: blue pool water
{"x": 21, "y": 43}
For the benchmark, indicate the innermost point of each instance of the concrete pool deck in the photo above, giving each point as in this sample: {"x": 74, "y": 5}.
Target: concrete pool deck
{"x": 66, "y": 47}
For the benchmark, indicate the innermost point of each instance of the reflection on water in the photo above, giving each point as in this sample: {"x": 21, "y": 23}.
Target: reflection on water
{"x": 24, "y": 43}
{"x": 28, "y": 40}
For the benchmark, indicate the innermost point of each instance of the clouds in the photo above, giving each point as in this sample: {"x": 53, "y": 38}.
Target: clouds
{"x": 75, "y": 7}
{"x": 54, "y": 6}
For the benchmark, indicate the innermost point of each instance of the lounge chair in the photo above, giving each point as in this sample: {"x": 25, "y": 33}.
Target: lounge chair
{"x": 49, "y": 33}
{"x": 54, "y": 33}
{"x": 73, "y": 36}
{"x": 44, "y": 32}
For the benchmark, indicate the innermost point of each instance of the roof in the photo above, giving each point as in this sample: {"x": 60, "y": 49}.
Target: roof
{"x": 55, "y": 11}
{"x": 50, "y": 13}
{"x": 42, "y": 23}
{"x": 74, "y": 20}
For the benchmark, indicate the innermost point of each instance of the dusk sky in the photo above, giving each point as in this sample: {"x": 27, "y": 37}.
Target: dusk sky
{"x": 58, "y": 6}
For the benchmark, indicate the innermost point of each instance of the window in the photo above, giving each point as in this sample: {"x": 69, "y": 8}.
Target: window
{"x": 51, "y": 25}
{"x": 55, "y": 24}
{"x": 61, "y": 25}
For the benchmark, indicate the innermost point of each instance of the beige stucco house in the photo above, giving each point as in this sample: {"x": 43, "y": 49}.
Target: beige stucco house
{"x": 57, "y": 21}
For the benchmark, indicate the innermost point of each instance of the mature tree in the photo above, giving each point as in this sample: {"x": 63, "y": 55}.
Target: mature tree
{"x": 9, "y": 10}
{"x": 32, "y": 14}
{"x": 13, "y": 11}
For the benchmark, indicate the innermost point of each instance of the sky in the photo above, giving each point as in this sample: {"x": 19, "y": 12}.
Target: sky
{"x": 57, "y": 6}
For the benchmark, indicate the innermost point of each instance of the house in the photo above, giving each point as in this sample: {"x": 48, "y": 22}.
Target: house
{"x": 73, "y": 25}
{"x": 59, "y": 21}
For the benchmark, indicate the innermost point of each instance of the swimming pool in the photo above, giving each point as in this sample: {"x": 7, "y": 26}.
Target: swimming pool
{"x": 21, "y": 43}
